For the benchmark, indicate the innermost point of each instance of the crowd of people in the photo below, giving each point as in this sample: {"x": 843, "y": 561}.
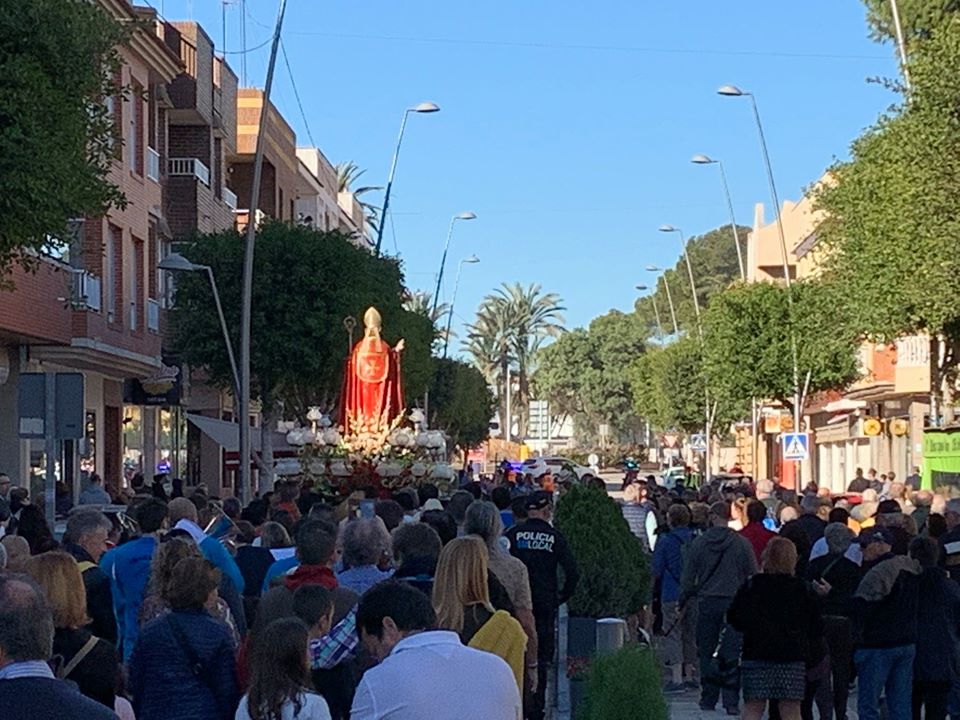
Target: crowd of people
{"x": 293, "y": 607}
{"x": 766, "y": 599}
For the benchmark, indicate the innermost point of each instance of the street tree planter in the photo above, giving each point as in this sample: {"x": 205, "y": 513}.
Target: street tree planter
{"x": 614, "y": 574}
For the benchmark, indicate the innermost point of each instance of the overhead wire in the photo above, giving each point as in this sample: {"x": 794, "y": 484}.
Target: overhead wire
{"x": 591, "y": 47}
{"x": 296, "y": 93}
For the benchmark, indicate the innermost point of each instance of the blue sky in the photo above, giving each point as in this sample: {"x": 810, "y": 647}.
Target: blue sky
{"x": 566, "y": 126}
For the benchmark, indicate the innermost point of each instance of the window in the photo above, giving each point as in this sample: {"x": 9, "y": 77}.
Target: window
{"x": 135, "y": 141}
{"x": 109, "y": 272}
{"x": 136, "y": 285}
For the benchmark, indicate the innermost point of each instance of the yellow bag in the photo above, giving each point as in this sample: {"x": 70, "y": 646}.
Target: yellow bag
{"x": 503, "y": 636}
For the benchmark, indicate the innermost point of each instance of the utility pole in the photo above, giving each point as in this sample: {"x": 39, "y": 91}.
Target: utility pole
{"x": 244, "y": 486}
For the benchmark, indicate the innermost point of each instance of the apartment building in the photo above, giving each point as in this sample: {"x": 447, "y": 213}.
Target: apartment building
{"x": 878, "y": 420}
{"x": 95, "y": 308}
{"x": 278, "y": 186}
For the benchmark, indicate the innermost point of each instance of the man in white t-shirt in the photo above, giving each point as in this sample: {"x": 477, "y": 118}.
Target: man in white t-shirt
{"x": 424, "y": 672}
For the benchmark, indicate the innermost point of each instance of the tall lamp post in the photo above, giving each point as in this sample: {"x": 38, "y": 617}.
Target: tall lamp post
{"x": 734, "y": 91}
{"x": 686, "y": 258}
{"x": 174, "y": 262}
{"x": 707, "y": 160}
{"x": 707, "y": 430}
{"x": 424, "y": 107}
{"x": 472, "y": 260}
{"x": 656, "y": 312}
{"x": 666, "y": 285}
{"x": 446, "y": 248}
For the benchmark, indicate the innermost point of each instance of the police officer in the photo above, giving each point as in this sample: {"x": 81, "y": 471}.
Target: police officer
{"x": 542, "y": 549}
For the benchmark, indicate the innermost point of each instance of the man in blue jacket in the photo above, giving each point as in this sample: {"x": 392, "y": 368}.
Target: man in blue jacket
{"x": 679, "y": 628}
{"x": 128, "y": 568}
{"x": 183, "y": 516}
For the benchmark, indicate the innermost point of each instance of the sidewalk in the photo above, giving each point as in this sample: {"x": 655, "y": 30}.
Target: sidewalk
{"x": 686, "y": 706}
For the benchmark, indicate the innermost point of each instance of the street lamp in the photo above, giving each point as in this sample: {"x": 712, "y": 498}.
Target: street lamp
{"x": 706, "y": 160}
{"x": 472, "y": 260}
{"x": 686, "y": 257}
{"x": 666, "y": 285}
{"x": 175, "y": 262}
{"x": 656, "y": 311}
{"x": 424, "y": 107}
{"x": 446, "y": 247}
{"x": 734, "y": 91}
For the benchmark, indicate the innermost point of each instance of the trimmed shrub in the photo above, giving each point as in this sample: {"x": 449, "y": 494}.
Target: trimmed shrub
{"x": 625, "y": 685}
{"x": 614, "y": 569}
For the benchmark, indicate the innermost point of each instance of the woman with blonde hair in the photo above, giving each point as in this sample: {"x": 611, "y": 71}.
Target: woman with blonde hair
{"x": 461, "y": 599}
{"x": 82, "y": 658}
{"x": 779, "y": 617}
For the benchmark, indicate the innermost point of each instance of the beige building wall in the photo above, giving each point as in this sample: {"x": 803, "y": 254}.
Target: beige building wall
{"x": 764, "y": 254}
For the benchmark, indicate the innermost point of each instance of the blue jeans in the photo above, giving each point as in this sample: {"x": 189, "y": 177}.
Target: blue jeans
{"x": 889, "y": 671}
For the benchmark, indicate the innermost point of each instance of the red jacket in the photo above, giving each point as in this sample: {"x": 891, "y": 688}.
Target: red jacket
{"x": 758, "y": 536}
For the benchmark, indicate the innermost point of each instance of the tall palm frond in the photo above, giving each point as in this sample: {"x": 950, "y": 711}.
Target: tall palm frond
{"x": 348, "y": 173}
{"x": 421, "y": 302}
{"x": 511, "y": 325}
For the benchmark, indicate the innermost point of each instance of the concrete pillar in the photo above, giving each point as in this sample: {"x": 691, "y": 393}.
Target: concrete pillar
{"x": 148, "y": 459}
{"x": 611, "y": 634}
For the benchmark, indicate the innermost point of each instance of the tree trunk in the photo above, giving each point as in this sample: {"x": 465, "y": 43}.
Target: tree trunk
{"x": 266, "y": 478}
{"x": 502, "y": 400}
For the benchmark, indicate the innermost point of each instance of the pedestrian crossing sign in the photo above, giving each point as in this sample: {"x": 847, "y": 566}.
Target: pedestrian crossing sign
{"x": 698, "y": 442}
{"x": 795, "y": 445}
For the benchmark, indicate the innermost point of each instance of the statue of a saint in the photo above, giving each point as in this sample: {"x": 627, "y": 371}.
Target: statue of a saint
{"x": 372, "y": 395}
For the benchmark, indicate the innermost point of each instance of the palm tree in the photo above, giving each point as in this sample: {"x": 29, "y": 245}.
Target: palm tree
{"x": 511, "y": 325}
{"x": 348, "y": 173}
{"x": 421, "y": 302}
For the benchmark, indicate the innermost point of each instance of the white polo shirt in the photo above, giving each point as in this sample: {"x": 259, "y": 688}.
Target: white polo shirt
{"x": 414, "y": 683}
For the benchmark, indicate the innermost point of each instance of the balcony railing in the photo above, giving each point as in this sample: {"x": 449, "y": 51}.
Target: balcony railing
{"x": 153, "y": 315}
{"x": 190, "y": 167}
{"x": 85, "y": 291}
{"x": 229, "y": 197}
{"x": 153, "y": 164}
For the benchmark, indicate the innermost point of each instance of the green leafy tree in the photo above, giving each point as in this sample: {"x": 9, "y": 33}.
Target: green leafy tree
{"x": 918, "y": 18}
{"x": 668, "y": 386}
{"x": 58, "y": 61}
{"x": 584, "y": 373}
{"x": 747, "y": 341}
{"x": 305, "y": 283}
{"x": 713, "y": 257}
{"x": 891, "y": 227}
{"x": 461, "y": 402}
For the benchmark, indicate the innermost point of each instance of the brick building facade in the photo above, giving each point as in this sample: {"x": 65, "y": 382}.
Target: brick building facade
{"x": 94, "y": 309}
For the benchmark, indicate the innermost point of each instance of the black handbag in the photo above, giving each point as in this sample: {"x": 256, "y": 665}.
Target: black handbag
{"x": 722, "y": 670}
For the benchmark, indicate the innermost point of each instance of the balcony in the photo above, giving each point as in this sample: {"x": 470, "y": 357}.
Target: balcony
{"x": 153, "y": 164}
{"x": 86, "y": 291}
{"x": 229, "y": 197}
{"x": 189, "y": 167}
{"x": 153, "y": 315}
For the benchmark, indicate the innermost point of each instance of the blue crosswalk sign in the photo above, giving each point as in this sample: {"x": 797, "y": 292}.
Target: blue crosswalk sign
{"x": 698, "y": 442}
{"x": 796, "y": 445}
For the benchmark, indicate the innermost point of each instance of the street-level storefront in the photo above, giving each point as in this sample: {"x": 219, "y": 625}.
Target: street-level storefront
{"x": 839, "y": 452}
{"x": 941, "y": 460}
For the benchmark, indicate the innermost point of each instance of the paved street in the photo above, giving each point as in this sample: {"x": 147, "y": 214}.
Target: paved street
{"x": 686, "y": 707}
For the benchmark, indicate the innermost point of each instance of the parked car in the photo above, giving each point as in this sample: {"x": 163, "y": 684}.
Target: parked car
{"x": 557, "y": 466}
